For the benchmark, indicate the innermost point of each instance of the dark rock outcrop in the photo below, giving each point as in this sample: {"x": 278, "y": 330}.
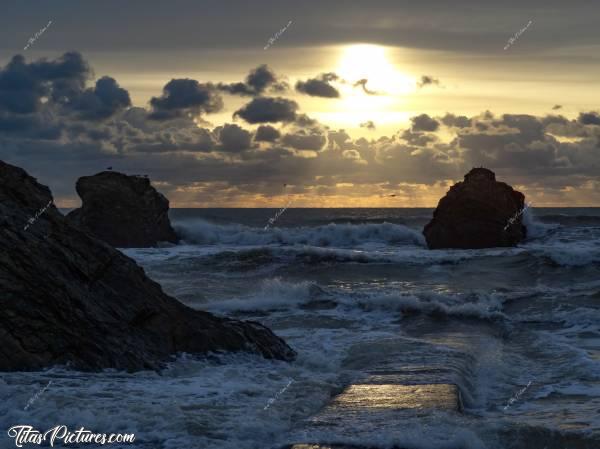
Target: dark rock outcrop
{"x": 69, "y": 298}
{"x": 124, "y": 211}
{"x": 479, "y": 212}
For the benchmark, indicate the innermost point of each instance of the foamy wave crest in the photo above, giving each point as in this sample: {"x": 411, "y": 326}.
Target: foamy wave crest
{"x": 571, "y": 254}
{"x": 274, "y": 294}
{"x": 482, "y": 306}
{"x": 339, "y": 235}
{"x": 405, "y": 255}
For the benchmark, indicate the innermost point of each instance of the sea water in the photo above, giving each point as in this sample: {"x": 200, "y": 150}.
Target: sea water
{"x": 350, "y": 289}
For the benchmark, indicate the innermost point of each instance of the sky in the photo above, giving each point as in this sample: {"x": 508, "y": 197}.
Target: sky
{"x": 314, "y": 104}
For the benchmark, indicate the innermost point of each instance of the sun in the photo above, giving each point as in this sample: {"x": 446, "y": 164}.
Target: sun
{"x": 370, "y": 62}
{"x": 371, "y": 87}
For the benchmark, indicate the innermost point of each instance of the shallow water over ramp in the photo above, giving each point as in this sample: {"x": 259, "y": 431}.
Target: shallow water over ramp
{"x": 393, "y": 396}
{"x": 396, "y": 380}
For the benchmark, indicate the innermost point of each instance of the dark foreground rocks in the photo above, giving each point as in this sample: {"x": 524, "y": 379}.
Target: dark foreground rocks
{"x": 124, "y": 211}
{"x": 68, "y": 298}
{"x": 479, "y": 212}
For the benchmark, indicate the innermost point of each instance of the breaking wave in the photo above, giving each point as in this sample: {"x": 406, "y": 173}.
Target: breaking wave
{"x": 338, "y": 235}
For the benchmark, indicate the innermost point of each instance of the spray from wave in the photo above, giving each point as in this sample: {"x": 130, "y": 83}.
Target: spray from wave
{"x": 536, "y": 229}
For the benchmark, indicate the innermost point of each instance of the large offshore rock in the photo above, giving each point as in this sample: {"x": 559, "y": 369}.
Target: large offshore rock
{"x": 124, "y": 211}
{"x": 68, "y": 298}
{"x": 479, "y": 212}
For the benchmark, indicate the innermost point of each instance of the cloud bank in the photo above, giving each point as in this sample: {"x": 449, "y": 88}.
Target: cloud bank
{"x": 59, "y": 123}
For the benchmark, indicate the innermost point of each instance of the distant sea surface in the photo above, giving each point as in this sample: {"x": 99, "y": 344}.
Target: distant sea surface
{"x": 352, "y": 291}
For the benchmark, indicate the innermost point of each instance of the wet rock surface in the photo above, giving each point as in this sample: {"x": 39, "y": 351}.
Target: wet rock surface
{"x": 69, "y": 298}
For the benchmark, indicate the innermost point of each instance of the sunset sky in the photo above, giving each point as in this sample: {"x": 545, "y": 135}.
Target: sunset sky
{"x": 327, "y": 104}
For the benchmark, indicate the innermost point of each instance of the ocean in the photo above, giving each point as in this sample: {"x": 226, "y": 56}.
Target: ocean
{"x": 363, "y": 301}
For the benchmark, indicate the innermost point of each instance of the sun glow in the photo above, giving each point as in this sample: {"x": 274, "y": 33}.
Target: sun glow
{"x": 370, "y": 62}
{"x": 371, "y": 87}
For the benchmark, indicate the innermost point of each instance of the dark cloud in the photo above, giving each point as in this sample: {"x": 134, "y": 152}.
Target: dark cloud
{"x": 589, "y": 118}
{"x": 64, "y": 131}
{"x": 304, "y": 120}
{"x": 458, "y": 121}
{"x": 103, "y": 101}
{"x": 339, "y": 140}
{"x": 268, "y": 109}
{"x": 556, "y": 107}
{"x": 23, "y": 85}
{"x": 39, "y": 100}
{"x": 319, "y": 86}
{"x": 20, "y": 91}
{"x": 418, "y": 138}
{"x": 30, "y": 126}
{"x": 529, "y": 127}
{"x": 303, "y": 140}
{"x": 67, "y": 74}
{"x": 558, "y": 125}
{"x": 192, "y": 140}
{"x": 233, "y": 138}
{"x": 424, "y": 123}
{"x": 185, "y": 97}
{"x": 554, "y": 119}
{"x": 257, "y": 82}
{"x": 517, "y": 147}
{"x": 134, "y": 131}
{"x": 266, "y": 133}
{"x": 78, "y": 130}
{"x": 427, "y": 80}
{"x": 368, "y": 124}
{"x": 363, "y": 83}
{"x": 522, "y": 145}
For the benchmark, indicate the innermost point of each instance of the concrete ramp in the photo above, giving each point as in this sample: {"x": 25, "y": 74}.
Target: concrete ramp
{"x": 401, "y": 380}
{"x": 367, "y": 396}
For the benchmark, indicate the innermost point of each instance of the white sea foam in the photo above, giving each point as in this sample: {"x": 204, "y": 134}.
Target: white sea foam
{"x": 339, "y": 235}
{"x": 569, "y": 254}
{"x": 315, "y": 296}
{"x": 194, "y": 403}
{"x": 273, "y": 294}
{"x": 482, "y": 306}
{"x": 277, "y": 294}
